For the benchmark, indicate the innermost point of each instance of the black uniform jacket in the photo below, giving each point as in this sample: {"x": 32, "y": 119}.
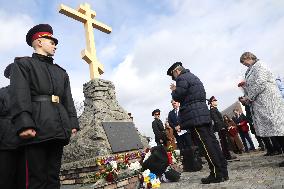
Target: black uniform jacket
{"x": 8, "y": 137}
{"x": 34, "y": 76}
{"x": 159, "y": 131}
{"x": 217, "y": 119}
{"x": 191, "y": 94}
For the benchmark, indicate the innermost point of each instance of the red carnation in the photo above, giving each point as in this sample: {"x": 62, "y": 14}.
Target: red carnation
{"x": 110, "y": 177}
{"x": 147, "y": 150}
{"x": 170, "y": 159}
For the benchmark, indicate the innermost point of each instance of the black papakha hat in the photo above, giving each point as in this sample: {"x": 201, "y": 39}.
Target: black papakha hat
{"x": 7, "y": 71}
{"x": 155, "y": 111}
{"x": 40, "y": 31}
{"x": 169, "y": 72}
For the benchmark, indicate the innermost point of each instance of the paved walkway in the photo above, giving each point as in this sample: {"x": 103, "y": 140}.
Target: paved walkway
{"x": 253, "y": 171}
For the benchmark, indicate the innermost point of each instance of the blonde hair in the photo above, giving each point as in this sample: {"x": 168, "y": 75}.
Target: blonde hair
{"x": 248, "y": 55}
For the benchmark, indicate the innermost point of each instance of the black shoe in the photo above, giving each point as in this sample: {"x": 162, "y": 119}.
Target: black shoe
{"x": 212, "y": 179}
{"x": 269, "y": 154}
{"x": 281, "y": 164}
{"x": 274, "y": 153}
{"x": 277, "y": 153}
{"x": 231, "y": 158}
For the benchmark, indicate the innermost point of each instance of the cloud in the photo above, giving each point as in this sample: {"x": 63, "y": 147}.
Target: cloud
{"x": 208, "y": 37}
{"x": 12, "y": 29}
{"x": 12, "y": 39}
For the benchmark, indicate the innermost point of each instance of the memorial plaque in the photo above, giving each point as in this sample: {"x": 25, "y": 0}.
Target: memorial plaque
{"x": 122, "y": 136}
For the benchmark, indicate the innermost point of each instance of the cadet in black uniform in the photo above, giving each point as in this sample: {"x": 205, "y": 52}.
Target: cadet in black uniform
{"x": 8, "y": 140}
{"x": 158, "y": 128}
{"x": 42, "y": 110}
{"x": 195, "y": 116}
{"x": 220, "y": 127}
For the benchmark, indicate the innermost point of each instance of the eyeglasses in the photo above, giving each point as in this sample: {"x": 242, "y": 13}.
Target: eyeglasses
{"x": 156, "y": 114}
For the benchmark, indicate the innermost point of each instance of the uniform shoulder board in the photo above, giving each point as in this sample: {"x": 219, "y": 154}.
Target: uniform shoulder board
{"x": 19, "y": 58}
{"x": 60, "y": 67}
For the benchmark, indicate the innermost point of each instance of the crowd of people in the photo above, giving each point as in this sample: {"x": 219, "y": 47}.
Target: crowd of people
{"x": 38, "y": 117}
{"x": 191, "y": 124}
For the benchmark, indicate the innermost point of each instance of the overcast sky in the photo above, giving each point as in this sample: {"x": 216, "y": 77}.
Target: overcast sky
{"x": 147, "y": 36}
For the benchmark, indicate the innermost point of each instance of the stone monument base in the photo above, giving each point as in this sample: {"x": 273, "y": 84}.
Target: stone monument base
{"x": 80, "y": 159}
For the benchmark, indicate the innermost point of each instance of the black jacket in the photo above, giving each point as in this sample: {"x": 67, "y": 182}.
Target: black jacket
{"x": 173, "y": 121}
{"x": 191, "y": 94}
{"x": 8, "y": 137}
{"x": 34, "y": 76}
{"x": 157, "y": 163}
{"x": 159, "y": 131}
{"x": 217, "y": 119}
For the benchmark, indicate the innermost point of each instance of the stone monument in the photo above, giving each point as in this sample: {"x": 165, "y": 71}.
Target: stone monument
{"x": 100, "y": 103}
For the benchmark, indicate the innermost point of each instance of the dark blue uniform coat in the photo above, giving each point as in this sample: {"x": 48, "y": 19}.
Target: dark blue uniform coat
{"x": 191, "y": 94}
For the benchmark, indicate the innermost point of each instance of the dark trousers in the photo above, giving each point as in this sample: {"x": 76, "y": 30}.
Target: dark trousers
{"x": 275, "y": 142}
{"x": 272, "y": 145}
{"x": 208, "y": 143}
{"x": 184, "y": 141}
{"x": 42, "y": 165}
{"x": 8, "y": 169}
{"x": 224, "y": 143}
{"x": 244, "y": 137}
{"x": 280, "y": 140}
{"x": 260, "y": 141}
{"x": 268, "y": 144}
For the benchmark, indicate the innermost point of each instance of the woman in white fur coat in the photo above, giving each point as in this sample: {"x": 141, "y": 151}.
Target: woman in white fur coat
{"x": 267, "y": 104}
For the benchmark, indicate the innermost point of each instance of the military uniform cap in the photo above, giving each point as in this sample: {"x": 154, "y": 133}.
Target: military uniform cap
{"x": 40, "y": 31}
{"x": 155, "y": 111}
{"x": 169, "y": 72}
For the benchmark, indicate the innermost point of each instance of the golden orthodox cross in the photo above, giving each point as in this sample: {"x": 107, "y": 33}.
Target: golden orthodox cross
{"x": 86, "y": 15}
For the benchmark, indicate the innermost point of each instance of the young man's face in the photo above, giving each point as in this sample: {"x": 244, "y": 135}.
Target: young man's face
{"x": 48, "y": 46}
